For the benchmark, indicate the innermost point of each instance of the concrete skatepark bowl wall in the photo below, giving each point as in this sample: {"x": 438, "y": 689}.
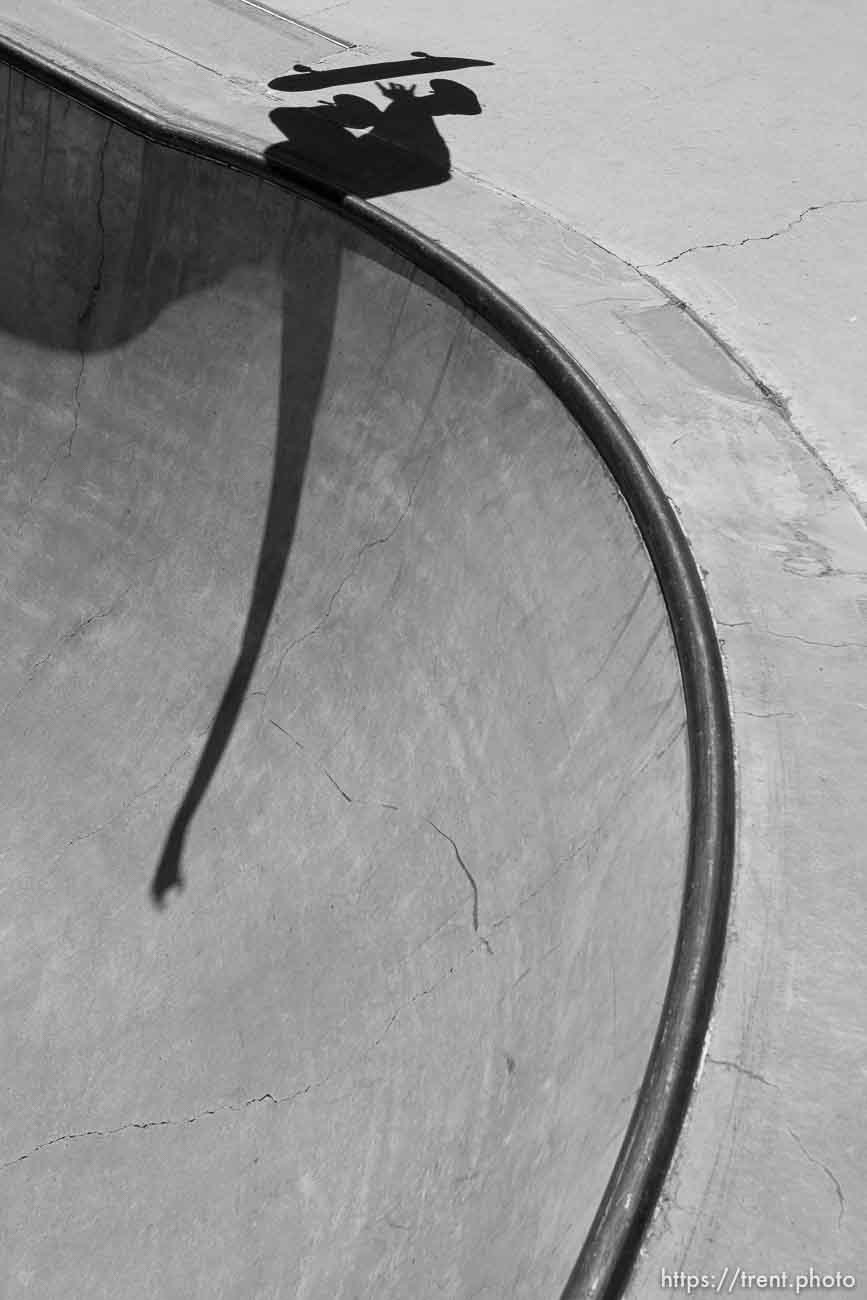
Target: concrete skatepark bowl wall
{"x": 318, "y": 601}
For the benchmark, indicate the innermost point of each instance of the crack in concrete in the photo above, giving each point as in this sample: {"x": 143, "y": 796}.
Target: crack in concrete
{"x": 825, "y": 645}
{"x": 378, "y": 541}
{"x": 350, "y": 574}
{"x": 339, "y": 788}
{"x": 533, "y": 966}
{"x": 96, "y": 617}
{"x": 794, "y": 636}
{"x": 416, "y": 997}
{"x": 754, "y": 239}
{"x": 65, "y": 447}
{"x": 142, "y": 1125}
{"x": 125, "y": 807}
{"x": 742, "y": 1069}
{"x": 77, "y": 630}
{"x": 392, "y": 807}
{"x": 86, "y": 314}
{"x": 748, "y": 713}
{"x": 61, "y": 640}
{"x": 428, "y": 937}
{"x": 40, "y": 484}
{"x": 559, "y": 866}
{"x": 295, "y": 742}
{"x": 76, "y": 407}
{"x": 230, "y": 1107}
{"x": 298, "y": 745}
{"x": 473, "y": 886}
{"x": 776, "y": 399}
{"x": 166, "y": 49}
{"x": 841, "y": 1200}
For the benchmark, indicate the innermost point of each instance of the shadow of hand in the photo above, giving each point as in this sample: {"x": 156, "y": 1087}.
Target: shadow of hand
{"x": 168, "y": 874}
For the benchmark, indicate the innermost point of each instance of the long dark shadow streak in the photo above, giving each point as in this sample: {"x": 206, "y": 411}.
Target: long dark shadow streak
{"x": 404, "y": 150}
{"x": 310, "y": 285}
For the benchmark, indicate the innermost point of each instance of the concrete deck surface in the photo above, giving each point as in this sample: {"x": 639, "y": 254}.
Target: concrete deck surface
{"x": 678, "y": 197}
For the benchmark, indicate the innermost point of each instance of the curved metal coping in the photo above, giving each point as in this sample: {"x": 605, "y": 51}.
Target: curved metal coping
{"x": 613, "y": 1241}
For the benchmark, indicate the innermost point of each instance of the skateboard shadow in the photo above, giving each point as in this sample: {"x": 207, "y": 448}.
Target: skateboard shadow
{"x": 356, "y": 147}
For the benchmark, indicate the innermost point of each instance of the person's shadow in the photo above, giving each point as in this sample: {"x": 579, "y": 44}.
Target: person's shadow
{"x": 401, "y": 149}
{"x": 153, "y": 240}
{"x": 397, "y": 148}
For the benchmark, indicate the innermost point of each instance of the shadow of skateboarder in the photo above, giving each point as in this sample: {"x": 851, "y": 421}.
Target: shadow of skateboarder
{"x": 396, "y": 148}
{"x": 401, "y": 148}
{"x": 155, "y": 217}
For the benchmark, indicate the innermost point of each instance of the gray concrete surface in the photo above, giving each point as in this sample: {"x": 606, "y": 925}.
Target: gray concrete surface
{"x": 717, "y": 149}
{"x": 386, "y": 1040}
{"x": 727, "y": 143}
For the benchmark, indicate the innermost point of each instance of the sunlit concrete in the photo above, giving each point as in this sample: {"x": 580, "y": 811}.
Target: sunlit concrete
{"x": 718, "y": 153}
